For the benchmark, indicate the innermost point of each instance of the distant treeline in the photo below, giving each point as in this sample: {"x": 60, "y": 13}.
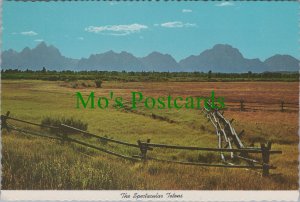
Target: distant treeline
{"x": 68, "y": 75}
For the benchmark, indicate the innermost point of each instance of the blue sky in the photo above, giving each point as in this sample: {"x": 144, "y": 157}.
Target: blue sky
{"x": 78, "y": 29}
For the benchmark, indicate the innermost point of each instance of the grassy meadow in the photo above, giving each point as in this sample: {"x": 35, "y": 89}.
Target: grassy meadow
{"x": 30, "y": 162}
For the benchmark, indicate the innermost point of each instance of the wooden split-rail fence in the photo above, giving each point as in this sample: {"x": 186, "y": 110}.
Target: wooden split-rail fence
{"x": 229, "y": 142}
{"x": 247, "y": 105}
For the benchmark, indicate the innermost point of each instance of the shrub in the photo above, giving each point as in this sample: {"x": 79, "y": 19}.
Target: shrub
{"x": 98, "y": 83}
{"x": 72, "y": 78}
{"x": 76, "y": 123}
{"x": 74, "y": 85}
{"x": 84, "y": 84}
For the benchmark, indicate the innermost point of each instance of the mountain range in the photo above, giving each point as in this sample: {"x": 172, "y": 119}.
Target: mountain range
{"x": 220, "y": 58}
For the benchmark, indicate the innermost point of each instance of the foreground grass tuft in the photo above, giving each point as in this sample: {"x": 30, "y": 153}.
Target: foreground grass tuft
{"x": 76, "y": 123}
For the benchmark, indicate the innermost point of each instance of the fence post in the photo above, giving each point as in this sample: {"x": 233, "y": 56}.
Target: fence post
{"x": 62, "y": 134}
{"x": 282, "y": 103}
{"x": 242, "y": 105}
{"x": 265, "y": 151}
{"x": 241, "y": 134}
{"x": 4, "y": 121}
{"x": 143, "y": 148}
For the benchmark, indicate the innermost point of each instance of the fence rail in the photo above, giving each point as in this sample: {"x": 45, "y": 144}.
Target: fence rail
{"x": 249, "y": 150}
{"x": 228, "y": 141}
{"x": 66, "y": 127}
{"x": 244, "y": 105}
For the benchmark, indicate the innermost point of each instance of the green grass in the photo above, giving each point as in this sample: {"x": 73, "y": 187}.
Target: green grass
{"x": 37, "y": 163}
{"x": 51, "y": 165}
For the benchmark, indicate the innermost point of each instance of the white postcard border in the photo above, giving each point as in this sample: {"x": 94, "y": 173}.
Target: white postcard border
{"x": 57, "y": 195}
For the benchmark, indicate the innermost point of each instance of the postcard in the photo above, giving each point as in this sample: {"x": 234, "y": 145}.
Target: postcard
{"x": 149, "y": 101}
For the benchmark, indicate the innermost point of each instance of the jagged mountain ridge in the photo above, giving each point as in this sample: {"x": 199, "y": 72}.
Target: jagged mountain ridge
{"x": 220, "y": 58}
{"x": 36, "y": 58}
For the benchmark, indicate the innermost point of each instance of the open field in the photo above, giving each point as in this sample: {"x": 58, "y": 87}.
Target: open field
{"x": 35, "y": 163}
